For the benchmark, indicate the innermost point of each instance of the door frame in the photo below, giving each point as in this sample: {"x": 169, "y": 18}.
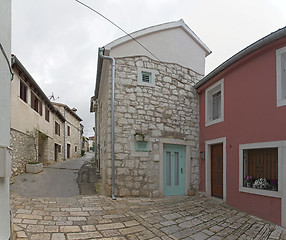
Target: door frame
{"x": 188, "y": 145}
{"x": 208, "y": 165}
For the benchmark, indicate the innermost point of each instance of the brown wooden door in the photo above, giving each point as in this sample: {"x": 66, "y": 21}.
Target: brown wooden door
{"x": 217, "y": 170}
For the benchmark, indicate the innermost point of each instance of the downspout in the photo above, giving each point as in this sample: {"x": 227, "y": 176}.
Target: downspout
{"x": 64, "y": 134}
{"x": 112, "y": 117}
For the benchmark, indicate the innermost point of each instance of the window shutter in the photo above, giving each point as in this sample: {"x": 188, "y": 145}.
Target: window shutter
{"x": 146, "y": 77}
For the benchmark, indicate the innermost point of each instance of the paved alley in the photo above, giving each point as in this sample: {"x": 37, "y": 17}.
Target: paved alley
{"x": 99, "y": 217}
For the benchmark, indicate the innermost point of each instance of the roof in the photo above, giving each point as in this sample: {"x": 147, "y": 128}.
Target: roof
{"x": 18, "y": 65}
{"x": 280, "y": 33}
{"x": 158, "y": 28}
{"x": 68, "y": 109}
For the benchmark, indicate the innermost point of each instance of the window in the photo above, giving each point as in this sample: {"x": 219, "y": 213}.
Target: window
{"x": 36, "y": 104}
{"x": 260, "y": 168}
{"x": 75, "y": 148}
{"x": 47, "y": 114}
{"x": 57, "y": 129}
{"x": 23, "y": 91}
{"x": 214, "y": 103}
{"x": 281, "y": 76}
{"x": 146, "y": 77}
{"x": 261, "y": 163}
{"x": 69, "y": 131}
{"x": 40, "y": 108}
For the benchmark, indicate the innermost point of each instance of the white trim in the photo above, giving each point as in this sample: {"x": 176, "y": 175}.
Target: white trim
{"x": 158, "y": 28}
{"x": 139, "y": 81}
{"x": 208, "y": 165}
{"x": 281, "y": 100}
{"x": 281, "y": 193}
{"x": 218, "y": 86}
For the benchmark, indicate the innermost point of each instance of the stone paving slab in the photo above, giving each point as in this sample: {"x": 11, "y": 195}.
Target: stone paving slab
{"x": 99, "y": 217}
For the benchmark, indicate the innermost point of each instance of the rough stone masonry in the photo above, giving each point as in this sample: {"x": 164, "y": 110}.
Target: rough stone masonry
{"x": 169, "y": 109}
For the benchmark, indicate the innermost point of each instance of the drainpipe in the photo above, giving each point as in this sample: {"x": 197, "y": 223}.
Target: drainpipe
{"x": 112, "y": 117}
{"x": 64, "y": 134}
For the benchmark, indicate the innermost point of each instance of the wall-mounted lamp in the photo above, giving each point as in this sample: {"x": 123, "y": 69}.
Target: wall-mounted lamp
{"x": 202, "y": 155}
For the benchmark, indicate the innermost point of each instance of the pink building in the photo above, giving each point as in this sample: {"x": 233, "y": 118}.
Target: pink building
{"x": 242, "y": 129}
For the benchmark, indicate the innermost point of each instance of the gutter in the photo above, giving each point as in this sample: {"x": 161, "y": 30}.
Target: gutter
{"x": 101, "y": 50}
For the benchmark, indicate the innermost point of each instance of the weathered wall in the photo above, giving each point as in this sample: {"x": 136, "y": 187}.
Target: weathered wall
{"x": 167, "y": 110}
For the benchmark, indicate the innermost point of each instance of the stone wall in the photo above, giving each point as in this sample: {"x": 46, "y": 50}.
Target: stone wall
{"x": 169, "y": 109}
{"x": 23, "y": 151}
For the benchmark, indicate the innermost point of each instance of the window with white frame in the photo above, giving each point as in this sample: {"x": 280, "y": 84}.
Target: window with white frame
{"x": 259, "y": 168}
{"x": 281, "y": 76}
{"x": 146, "y": 77}
{"x": 215, "y": 103}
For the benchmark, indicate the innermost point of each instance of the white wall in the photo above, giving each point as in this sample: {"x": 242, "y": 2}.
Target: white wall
{"x": 5, "y": 77}
{"x": 171, "y": 45}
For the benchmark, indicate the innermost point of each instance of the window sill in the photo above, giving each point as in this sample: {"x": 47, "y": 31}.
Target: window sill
{"x": 281, "y": 102}
{"x": 267, "y": 193}
{"x": 211, "y": 122}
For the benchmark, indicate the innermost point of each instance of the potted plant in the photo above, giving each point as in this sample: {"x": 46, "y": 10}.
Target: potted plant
{"x": 261, "y": 183}
{"x": 139, "y": 137}
{"x": 34, "y": 167}
{"x": 191, "y": 191}
{"x": 248, "y": 181}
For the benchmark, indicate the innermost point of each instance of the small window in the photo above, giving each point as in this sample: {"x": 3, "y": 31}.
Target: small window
{"x": 69, "y": 131}
{"x": 36, "y": 104}
{"x": 146, "y": 77}
{"x": 47, "y": 114}
{"x": 57, "y": 129}
{"x": 260, "y": 168}
{"x": 214, "y": 107}
{"x": 281, "y": 76}
{"x": 23, "y": 91}
{"x": 40, "y": 108}
{"x": 75, "y": 148}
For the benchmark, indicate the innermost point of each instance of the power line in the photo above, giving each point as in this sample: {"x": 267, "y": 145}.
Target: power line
{"x": 122, "y": 31}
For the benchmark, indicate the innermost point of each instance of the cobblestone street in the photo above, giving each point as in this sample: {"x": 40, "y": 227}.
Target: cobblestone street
{"x": 99, "y": 217}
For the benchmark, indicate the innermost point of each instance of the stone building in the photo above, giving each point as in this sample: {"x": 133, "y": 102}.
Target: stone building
{"x": 36, "y": 124}
{"x": 151, "y": 145}
{"x": 72, "y": 131}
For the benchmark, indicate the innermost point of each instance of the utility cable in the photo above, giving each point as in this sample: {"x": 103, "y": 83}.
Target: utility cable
{"x": 122, "y": 31}
{"x": 7, "y": 60}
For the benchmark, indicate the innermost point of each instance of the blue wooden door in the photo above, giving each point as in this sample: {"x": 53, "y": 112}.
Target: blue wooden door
{"x": 174, "y": 169}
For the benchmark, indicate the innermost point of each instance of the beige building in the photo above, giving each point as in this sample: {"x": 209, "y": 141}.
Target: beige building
{"x": 148, "y": 144}
{"x": 72, "y": 131}
{"x": 37, "y": 126}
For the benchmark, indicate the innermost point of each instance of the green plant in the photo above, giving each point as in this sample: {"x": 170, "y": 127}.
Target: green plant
{"x": 140, "y": 134}
{"x": 191, "y": 187}
{"x": 82, "y": 152}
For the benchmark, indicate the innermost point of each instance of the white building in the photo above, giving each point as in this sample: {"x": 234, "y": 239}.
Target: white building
{"x": 5, "y": 78}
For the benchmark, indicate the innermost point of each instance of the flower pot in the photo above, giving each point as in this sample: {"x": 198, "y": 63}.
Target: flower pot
{"x": 248, "y": 185}
{"x": 191, "y": 192}
{"x": 34, "y": 167}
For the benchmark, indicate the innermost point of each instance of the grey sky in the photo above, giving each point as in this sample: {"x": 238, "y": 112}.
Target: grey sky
{"x": 57, "y": 40}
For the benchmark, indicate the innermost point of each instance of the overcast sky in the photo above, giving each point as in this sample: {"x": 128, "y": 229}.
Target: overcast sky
{"x": 57, "y": 40}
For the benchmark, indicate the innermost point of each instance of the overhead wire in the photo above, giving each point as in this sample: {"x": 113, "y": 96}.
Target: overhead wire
{"x": 123, "y": 31}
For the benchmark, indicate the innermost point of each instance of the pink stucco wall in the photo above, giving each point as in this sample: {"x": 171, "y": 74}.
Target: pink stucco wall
{"x": 250, "y": 116}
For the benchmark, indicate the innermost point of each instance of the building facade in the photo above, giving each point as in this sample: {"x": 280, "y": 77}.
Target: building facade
{"x": 5, "y": 79}
{"x": 37, "y": 126}
{"x": 71, "y": 131}
{"x": 148, "y": 144}
{"x": 242, "y": 141}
